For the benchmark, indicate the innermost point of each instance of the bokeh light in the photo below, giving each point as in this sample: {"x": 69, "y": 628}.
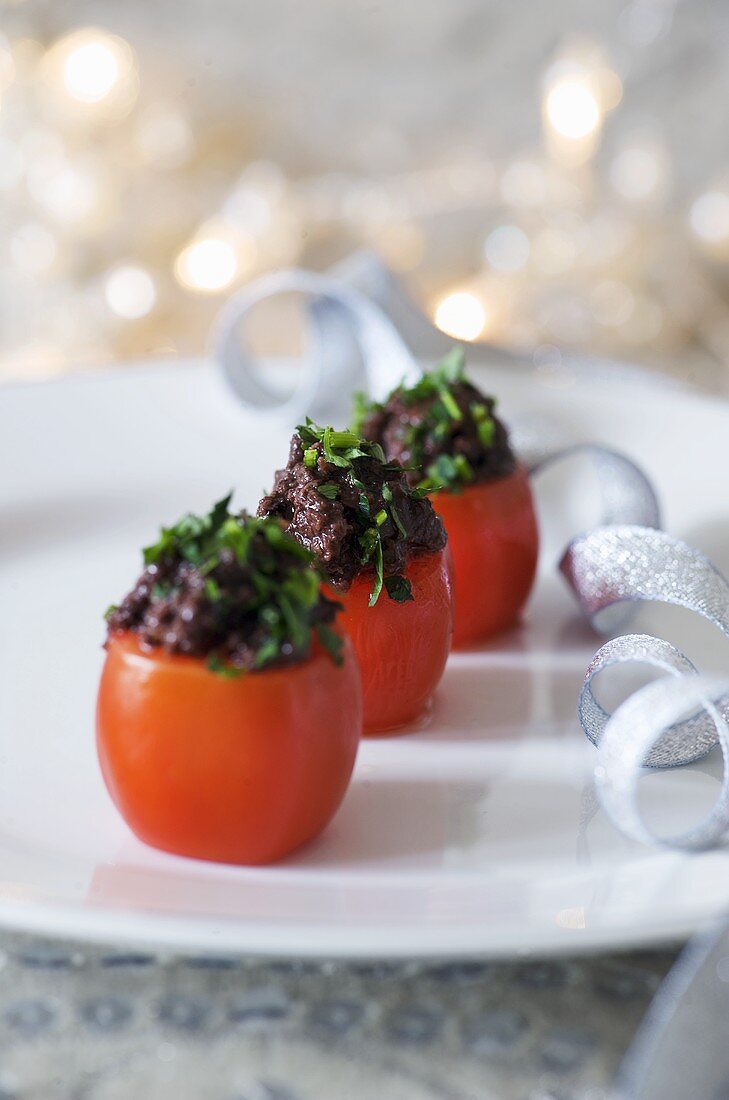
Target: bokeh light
{"x": 94, "y": 69}
{"x": 130, "y": 291}
{"x": 572, "y": 109}
{"x": 208, "y": 265}
{"x": 461, "y": 315}
{"x": 709, "y": 217}
{"x": 138, "y": 191}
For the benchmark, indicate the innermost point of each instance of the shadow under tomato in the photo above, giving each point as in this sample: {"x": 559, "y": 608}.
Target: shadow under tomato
{"x": 382, "y": 822}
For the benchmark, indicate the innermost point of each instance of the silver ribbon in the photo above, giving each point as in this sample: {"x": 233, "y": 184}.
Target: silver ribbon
{"x": 351, "y": 344}
{"x": 628, "y": 738}
{"x": 675, "y": 720}
{"x": 363, "y": 333}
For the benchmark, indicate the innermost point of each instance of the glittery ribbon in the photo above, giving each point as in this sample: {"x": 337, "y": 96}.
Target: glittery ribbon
{"x": 356, "y": 327}
{"x": 675, "y": 720}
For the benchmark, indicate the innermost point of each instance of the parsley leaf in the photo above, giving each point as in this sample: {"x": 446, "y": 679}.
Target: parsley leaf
{"x": 264, "y": 585}
{"x": 331, "y": 641}
{"x": 399, "y": 588}
{"x": 226, "y": 671}
{"x": 377, "y": 587}
{"x": 343, "y": 449}
{"x": 436, "y": 427}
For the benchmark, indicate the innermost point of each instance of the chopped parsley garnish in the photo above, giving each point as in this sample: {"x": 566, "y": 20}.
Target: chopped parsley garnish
{"x": 399, "y": 589}
{"x": 254, "y": 592}
{"x": 441, "y": 419}
{"x": 331, "y": 641}
{"x": 227, "y": 671}
{"x": 344, "y": 450}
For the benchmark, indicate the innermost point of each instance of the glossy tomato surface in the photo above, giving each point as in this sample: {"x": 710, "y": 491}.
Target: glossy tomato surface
{"x": 234, "y": 770}
{"x": 494, "y": 543}
{"x": 402, "y": 648}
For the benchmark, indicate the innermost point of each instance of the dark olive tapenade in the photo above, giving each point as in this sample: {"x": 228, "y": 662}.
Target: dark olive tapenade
{"x": 442, "y": 428}
{"x": 353, "y": 510}
{"x": 232, "y": 589}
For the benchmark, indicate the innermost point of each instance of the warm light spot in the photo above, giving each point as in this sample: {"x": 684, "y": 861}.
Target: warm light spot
{"x": 461, "y": 315}
{"x": 91, "y": 71}
{"x": 207, "y": 265}
{"x": 130, "y": 291}
{"x": 709, "y": 217}
{"x": 94, "y": 68}
{"x": 572, "y": 109}
{"x": 94, "y": 63}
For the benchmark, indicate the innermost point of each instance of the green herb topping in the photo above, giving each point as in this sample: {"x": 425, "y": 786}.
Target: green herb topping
{"x": 234, "y": 589}
{"x": 441, "y": 427}
{"x": 344, "y": 450}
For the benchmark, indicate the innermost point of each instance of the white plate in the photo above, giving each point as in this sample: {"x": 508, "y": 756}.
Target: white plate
{"x": 474, "y": 835}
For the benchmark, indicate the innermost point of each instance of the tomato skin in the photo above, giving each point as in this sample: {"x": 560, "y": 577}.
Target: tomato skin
{"x": 236, "y": 771}
{"x": 402, "y": 648}
{"x": 494, "y": 543}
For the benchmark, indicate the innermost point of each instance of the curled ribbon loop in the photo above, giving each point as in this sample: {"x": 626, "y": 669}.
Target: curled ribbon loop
{"x": 686, "y": 741}
{"x": 675, "y": 720}
{"x": 627, "y": 496}
{"x": 630, "y": 735}
{"x": 613, "y": 564}
{"x": 351, "y": 344}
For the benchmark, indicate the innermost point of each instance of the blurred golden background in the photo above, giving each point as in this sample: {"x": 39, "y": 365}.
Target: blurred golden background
{"x": 540, "y": 175}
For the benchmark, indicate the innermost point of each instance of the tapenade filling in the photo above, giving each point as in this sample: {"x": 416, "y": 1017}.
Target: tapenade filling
{"x": 235, "y": 590}
{"x": 340, "y": 499}
{"x": 442, "y": 428}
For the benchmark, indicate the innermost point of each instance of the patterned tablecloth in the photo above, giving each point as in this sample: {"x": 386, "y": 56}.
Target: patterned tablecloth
{"x": 90, "y": 1023}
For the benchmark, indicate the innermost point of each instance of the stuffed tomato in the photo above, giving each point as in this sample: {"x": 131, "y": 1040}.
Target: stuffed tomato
{"x": 445, "y": 432}
{"x": 229, "y": 709}
{"x": 492, "y": 535}
{"x": 402, "y": 646}
{"x": 382, "y": 548}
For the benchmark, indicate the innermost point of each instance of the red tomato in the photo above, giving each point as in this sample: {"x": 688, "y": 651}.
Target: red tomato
{"x": 238, "y": 771}
{"x": 402, "y": 648}
{"x": 494, "y": 542}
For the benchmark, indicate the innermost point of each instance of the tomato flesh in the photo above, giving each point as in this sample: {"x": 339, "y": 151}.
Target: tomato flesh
{"x": 402, "y": 648}
{"x": 233, "y": 770}
{"x": 494, "y": 543}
